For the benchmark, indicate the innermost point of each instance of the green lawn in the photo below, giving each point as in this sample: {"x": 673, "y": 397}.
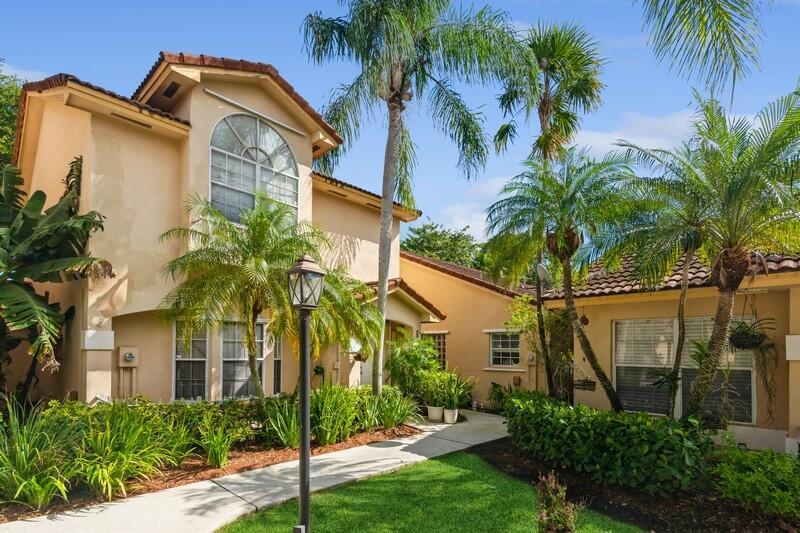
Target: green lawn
{"x": 456, "y": 492}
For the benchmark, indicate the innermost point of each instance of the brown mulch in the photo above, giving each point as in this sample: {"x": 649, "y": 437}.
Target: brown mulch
{"x": 195, "y": 468}
{"x": 682, "y": 512}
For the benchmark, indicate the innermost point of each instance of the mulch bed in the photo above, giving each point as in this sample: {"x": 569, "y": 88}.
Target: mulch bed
{"x": 683, "y": 511}
{"x": 195, "y": 469}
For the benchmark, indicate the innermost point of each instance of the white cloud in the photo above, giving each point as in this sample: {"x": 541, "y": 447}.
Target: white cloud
{"x": 25, "y": 74}
{"x": 457, "y": 216}
{"x": 488, "y": 188}
{"x": 664, "y": 131}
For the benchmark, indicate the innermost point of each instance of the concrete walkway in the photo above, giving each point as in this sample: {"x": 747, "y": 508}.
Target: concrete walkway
{"x": 207, "y": 505}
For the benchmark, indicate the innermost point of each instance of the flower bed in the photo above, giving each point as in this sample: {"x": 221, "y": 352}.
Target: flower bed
{"x": 68, "y": 448}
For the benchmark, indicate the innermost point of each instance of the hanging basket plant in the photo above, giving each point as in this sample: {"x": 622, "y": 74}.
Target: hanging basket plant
{"x": 746, "y": 336}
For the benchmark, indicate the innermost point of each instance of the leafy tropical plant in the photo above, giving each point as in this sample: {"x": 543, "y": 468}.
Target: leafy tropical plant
{"x": 411, "y": 358}
{"x": 217, "y": 440}
{"x": 395, "y": 408}
{"x": 433, "y": 388}
{"x": 333, "y": 413}
{"x": 564, "y": 201}
{"x": 369, "y": 409}
{"x": 43, "y": 246}
{"x": 405, "y": 51}
{"x": 456, "y": 390}
{"x": 283, "y": 419}
{"x": 37, "y": 460}
{"x": 742, "y": 175}
{"x": 239, "y": 270}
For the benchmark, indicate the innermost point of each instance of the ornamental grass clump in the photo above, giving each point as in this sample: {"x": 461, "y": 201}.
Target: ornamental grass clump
{"x": 656, "y": 454}
{"x": 36, "y": 456}
{"x": 333, "y": 414}
{"x": 395, "y": 409}
{"x": 217, "y": 440}
{"x": 283, "y": 420}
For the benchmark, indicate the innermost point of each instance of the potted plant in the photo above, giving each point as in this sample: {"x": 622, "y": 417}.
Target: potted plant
{"x": 746, "y": 336}
{"x": 456, "y": 391}
{"x": 432, "y": 395}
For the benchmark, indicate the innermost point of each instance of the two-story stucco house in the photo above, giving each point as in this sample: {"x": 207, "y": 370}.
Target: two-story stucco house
{"x": 195, "y": 125}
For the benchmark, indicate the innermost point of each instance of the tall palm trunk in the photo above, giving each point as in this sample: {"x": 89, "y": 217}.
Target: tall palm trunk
{"x": 252, "y": 352}
{"x": 390, "y": 159}
{"x": 586, "y": 346}
{"x": 719, "y": 339}
{"x": 676, "y": 365}
{"x": 548, "y": 367}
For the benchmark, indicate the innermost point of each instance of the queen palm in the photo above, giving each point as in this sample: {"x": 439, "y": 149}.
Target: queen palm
{"x": 239, "y": 271}
{"x": 566, "y": 83}
{"x": 662, "y": 223}
{"x": 742, "y": 176}
{"x": 409, "y": 51}
{"x": 568, "y": 198}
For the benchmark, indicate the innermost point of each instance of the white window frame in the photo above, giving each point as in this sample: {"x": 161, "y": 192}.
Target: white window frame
{"x": 175, "y": 360}
{"x": 494, "y": 366}
{"x": 257, "y": 165}
{"x": 222, "y": 359}
{"x": 679, "y": 395}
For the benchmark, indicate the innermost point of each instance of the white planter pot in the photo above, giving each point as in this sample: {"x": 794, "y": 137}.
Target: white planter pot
{"x": 450, "y": 416}
{"x": 435, "y": 413}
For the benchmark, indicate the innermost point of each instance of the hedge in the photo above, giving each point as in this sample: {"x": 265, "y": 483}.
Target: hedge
{"x": 656, "y": 454}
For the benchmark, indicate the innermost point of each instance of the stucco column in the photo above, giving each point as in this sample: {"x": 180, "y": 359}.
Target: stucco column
{"x": 794, "y": 372}
{"x": 97, "y": 350}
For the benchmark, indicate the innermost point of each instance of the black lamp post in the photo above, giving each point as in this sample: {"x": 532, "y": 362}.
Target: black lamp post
{"x": 305, "y": 290}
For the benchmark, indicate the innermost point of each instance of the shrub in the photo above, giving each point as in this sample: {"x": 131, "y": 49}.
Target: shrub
{"x": 433, "y": 388}
{"x": 656, "y": 454}
{"x": 36, "y": 460}
{"x": 333, "y": 413}
{"x": 456, "y": 390}
{"x": 283, "y": 419}
{"x": 121, "y": 444}
{"x": 394, "y": 408}
{"x": 556, "y": 514}
{"x": 764, "y": 480}
{"x": 217, "y": 440}
{"x": 410, "y": 359}
{"x": 369, "y": 409}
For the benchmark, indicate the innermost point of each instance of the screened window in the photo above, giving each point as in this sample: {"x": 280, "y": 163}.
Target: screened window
{"x": 440, "y": 345}
{"x": 642, "y": 348}
{"x": 276, "y": 367}
{"x": 236, "y": 382}
{"x": 190, "y": 363}
{"x": 248, "y": 156}
{"x": 505, "y": 349}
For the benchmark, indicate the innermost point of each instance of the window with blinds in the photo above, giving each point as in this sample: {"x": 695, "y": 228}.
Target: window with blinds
{"x": 643, "y": 348}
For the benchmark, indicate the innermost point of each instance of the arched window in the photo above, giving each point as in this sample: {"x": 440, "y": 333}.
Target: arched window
{"x": 247, "y": 156}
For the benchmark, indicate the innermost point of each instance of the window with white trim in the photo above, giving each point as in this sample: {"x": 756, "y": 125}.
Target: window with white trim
{"x": 504, "y": 349}
{"x": 249, "y": 156}
{"x": 440, "y": 345}
{"x": 236, "y": 382}
{"x": 642, "y": 348}
{"x": 190, "y": 363}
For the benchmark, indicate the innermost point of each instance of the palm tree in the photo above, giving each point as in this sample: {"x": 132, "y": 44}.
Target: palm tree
{"x": 41, "y": 246}
{"x": 407, "y": 50}
{"x": 571, "y": 197}
{"x": 239, "y": 270}
{"x": 662, "y": 223}
{"x": 716, "y": 40}
{"x": 566, "y": 82}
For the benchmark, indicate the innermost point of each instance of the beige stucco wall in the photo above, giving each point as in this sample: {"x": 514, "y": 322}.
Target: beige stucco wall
{"x": 470, "y": 310}
{"x": 793, "y": 414}
{"x": 354, "y": 233}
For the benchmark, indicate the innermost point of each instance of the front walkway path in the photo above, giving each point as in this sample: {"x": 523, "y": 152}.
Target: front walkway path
{"x": 207, "y": 505}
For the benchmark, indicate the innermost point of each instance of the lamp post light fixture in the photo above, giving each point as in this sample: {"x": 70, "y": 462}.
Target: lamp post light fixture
{"x": 305, "y": 290}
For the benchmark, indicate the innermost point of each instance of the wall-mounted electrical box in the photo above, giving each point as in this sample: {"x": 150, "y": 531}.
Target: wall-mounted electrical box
{"x": 128, "y": 356}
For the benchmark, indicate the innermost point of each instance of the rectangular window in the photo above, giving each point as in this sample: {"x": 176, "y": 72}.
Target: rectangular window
{"x": 505, "y": 349}
{"x": 190, "y": 364}
{"x": 440, "y": 345}
{"x": 276, "y": 367}
{"x": 236, "y": 382}
{"x": 642, "y": 348}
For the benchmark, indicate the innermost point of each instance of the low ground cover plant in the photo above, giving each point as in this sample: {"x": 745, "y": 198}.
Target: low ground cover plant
{"x": 556, "y": 513}
{"x": 46, "y": 451}
{"x": 656, "y": 454}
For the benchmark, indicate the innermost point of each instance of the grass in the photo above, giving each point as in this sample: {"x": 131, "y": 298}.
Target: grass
{"x": 456, "y": 492}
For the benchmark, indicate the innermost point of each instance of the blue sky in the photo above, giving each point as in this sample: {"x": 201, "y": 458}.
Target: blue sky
{"x": 113, "y": 44}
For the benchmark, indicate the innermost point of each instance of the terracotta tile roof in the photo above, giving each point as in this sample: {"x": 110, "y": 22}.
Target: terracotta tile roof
{"x": 181, "y": 58}
{"x": 472, "y": 275}
{"x": 622, "y": 280}
{"x": 398, "y": 283}
{"x": 339, "y": 183}
{"x": 61, "y": 80}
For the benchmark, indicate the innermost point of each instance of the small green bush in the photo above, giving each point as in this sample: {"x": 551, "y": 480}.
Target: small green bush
{"x": 333, "y": 413}
{"x": 456, "y": 390}
{"x": 218, "y": 439}
{"x": 410, "y": 359}
{"x": 369, "y": 409}
{"x": 36, "y": 456}
{"x": 656, "y": 454}
{"x": 556, "y": 513}
{"x": 282, "y": 417}
{"x": 394, "y": 408}
{"x": 763, "y": 480}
